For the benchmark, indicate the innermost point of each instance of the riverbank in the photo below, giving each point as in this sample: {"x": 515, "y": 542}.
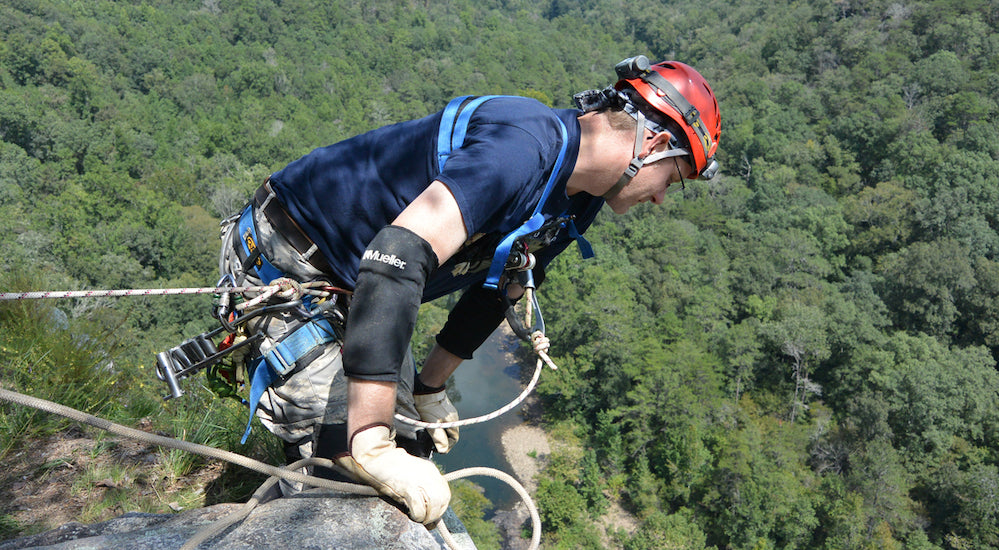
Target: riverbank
{"x": 527, "y": 449}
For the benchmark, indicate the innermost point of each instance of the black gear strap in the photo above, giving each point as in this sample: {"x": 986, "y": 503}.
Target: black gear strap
{"x": 596, "y": 100}
{"x": 390, "y": 281}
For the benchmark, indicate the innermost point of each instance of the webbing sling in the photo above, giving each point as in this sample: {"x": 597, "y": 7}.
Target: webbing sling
{"x": 451, "y": 136}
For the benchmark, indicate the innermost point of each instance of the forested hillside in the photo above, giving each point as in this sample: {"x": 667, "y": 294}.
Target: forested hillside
{"x": 800, "y": 354}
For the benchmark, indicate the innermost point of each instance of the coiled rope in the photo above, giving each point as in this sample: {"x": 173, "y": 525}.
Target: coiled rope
{"x": 273, "y": 471}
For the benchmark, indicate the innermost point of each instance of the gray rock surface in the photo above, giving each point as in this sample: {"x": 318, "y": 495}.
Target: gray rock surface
{"x": 315, "y": 519}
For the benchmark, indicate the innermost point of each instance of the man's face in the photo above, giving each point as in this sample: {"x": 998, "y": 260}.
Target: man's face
{"x": 651, "y": 183}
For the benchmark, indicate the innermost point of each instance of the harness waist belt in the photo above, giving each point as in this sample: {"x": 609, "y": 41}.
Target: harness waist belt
{"x": 288, "y": 228}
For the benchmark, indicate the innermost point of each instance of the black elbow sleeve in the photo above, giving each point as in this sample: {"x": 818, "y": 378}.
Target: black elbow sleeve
{"x": 471, "y": 321}
{"x": 390, "y": 281}
{"x": 474, "y": 318}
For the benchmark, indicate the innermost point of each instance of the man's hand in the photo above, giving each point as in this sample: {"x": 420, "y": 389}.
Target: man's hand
{"x": 413, "y": 482}
{"x": 436, "y": 407}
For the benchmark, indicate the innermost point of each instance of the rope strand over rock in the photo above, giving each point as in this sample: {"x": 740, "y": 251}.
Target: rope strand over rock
{"x": 273, "y": 471}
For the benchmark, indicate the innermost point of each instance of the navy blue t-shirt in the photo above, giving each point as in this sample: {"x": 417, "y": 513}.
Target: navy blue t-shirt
{"x": 343, "y": 194}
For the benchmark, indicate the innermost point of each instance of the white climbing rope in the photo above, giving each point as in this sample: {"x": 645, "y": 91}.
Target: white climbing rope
{"x": 286, "y": 288}
{"x": 127, "y": 292}
{"x": 273, "y": 471}
{"x": 543, "y": 358}
{"x": 478, "y": 419}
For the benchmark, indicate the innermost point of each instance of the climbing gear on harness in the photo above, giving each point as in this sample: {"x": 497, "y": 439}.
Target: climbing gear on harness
{"x": 413, "y": 482}
{"x": 202, "y": 352}
{"x": 451, "y": 136}
{"x": 312, "y": 320}
{"x": 192, "y": 356}
{"x": 315, "y": 324}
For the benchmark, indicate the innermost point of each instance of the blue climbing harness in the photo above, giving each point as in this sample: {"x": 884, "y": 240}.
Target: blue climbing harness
{"x": 297, "y": 348}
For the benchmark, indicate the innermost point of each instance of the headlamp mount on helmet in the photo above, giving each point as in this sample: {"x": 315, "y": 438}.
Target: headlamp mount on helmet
{"x": 633, "y": 67}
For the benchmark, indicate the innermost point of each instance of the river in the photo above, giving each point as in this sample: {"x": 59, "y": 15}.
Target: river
{"x": 485, "y": 383}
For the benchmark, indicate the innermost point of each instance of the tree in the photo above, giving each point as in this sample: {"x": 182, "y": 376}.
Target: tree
{"x": 668, "y": 532}
{"x": 799, "y": 332}
{"x": 560, "y": 504}
{"x": 923, "y": 282}
{"x": 883, "y": 218}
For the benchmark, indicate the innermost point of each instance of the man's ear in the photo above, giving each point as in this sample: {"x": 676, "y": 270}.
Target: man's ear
{"x": 657, "y": 143}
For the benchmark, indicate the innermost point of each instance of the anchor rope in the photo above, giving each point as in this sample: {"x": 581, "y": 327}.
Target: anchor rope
{"x": 280, "y": 286}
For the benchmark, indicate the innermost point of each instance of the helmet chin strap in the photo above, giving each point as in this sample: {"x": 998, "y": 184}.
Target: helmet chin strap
{"x": 636, "y": 163}
{"x": 638, "y": 160}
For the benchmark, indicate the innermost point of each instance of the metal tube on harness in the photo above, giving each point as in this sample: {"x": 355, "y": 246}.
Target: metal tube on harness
{"x": 165, "y": 372}
{"x": 207, "y": 346}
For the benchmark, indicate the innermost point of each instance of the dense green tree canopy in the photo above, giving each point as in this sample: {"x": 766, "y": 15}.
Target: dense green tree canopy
{"x": 798, "y": 354}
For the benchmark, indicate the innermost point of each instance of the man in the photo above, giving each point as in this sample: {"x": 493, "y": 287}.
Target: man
{"x": 416, "y": 210}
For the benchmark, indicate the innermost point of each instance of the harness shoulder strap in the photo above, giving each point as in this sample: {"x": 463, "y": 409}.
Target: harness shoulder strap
{"x": 451, "y": 136}
{"x": 454, "y": 125}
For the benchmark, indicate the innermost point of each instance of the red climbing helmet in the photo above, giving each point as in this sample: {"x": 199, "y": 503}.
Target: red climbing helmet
{"x": 676, "y": 91}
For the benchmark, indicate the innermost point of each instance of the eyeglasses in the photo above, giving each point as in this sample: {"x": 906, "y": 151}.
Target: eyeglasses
{"x": 674, "y": 187}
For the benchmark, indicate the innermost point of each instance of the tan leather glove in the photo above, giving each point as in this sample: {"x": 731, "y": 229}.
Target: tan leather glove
{"x": 436, "y": 407}
{"x": 413, "y": 482}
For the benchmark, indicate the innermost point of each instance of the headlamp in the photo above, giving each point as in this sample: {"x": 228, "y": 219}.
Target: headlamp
{"x": 710, "y": 171}
{"x": 633, "y": 67}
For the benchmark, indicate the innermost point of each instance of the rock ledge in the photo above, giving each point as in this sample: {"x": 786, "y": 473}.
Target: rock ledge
{"x": 317, "y": 519}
